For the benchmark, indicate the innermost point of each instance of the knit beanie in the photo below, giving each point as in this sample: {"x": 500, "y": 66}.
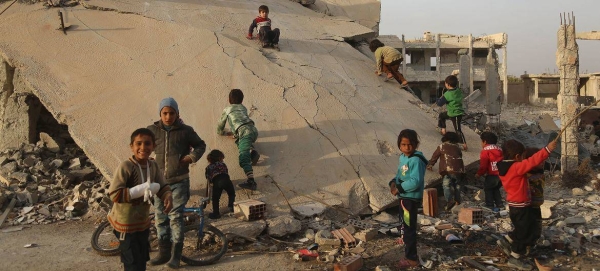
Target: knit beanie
{"x": 170, "y": 102}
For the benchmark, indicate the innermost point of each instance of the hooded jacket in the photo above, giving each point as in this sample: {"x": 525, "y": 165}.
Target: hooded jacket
{"x": 172, "y": 145}
{"x": 450, "y": 157}
{"x": 488, "y": 159}
{"x": 410, "y": 177}
{"x": 513, "y": 175}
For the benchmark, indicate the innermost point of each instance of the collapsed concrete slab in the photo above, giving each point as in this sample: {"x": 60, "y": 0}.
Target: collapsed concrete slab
{"x": 322, "y": 115}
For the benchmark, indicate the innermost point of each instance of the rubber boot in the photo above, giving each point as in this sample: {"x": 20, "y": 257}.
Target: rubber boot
{"x": 175, "y": 256}
{"x": 164, "y": 253}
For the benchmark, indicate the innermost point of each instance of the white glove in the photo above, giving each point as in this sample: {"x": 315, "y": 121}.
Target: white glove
{"x": 138, "y": 190}
{"x": 151, "y": 191}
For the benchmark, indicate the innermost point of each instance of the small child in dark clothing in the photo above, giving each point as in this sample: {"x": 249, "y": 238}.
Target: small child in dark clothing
{"x": 451, "y": 167}
{"x": 536, "y": 179}
{"x": 489, "y": 157}
{"x": 217, "y": 174}
{"x": 267, "y": 36}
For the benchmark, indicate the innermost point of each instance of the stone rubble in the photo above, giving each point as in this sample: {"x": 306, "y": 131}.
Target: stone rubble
{"x": 51, "y": 181}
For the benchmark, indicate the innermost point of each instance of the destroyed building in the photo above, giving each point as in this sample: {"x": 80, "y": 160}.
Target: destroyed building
{"x": 544, "y": 88}
{"x": 428, "y": 60}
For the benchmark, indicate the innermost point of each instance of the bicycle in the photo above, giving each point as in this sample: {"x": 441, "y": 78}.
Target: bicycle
{"x": 203, "y": 244}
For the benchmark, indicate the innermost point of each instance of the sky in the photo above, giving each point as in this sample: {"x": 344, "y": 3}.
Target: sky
{"x": 531, "y": 26}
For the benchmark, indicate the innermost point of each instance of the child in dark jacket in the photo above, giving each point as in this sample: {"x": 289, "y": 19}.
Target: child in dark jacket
{"x": 513, "y": 174}
{"x": 267, "y": 36}
{"x": 217, "y": 174}
{"x": 489, "y": 157}
{"x": 452, "y": 97}
{"x": 408, "y": 186}
{"x": 451, "y": 167}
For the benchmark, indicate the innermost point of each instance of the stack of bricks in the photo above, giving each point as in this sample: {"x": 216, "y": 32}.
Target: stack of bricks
{"x": 250, "y": 209}
{"x": 347, "y": 239}
{"x": 470, "y": 216}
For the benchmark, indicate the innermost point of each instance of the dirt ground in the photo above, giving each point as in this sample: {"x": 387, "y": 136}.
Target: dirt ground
{"x": 66, "y": 246}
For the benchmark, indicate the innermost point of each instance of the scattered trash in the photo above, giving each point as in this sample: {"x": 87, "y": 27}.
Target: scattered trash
{"x": 30, "y": 245}
{"x": 453, "y": 239}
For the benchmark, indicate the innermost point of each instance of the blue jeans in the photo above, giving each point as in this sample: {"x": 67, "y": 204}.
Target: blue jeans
{"x": 170, "y": 226}
{"x": 451, "y": 184}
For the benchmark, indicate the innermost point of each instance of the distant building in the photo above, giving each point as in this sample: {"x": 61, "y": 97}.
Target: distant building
{"x": 543, "y": 88}
{"x": 429, "y": 60}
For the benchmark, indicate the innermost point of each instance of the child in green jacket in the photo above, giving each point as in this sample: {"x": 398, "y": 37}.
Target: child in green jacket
{"x": 453, "y": 98}
{"x": 245, "y": 133}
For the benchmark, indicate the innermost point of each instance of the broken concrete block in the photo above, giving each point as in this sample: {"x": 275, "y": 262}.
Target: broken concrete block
{"x": 578, "y": 192}
{"x": 3, "y": 160}
{"x": 382, "y": 268}
{"x": 57, "y": 163}
{"x": 29, "y": 161}
{"x": 32, "y": 197}
{"x": 309, "y": 209}
{"x": 588, "y": 188}
{"x": 51, "y": 143}
{"x": 324, "y": 238}
{"x": 83, "y": 174}
{"x": 283, "y": 225}
{"x": 575, "y": 220}
{"x": 386, "y": 218}
{"x": 366, "y": 235}
{"x": 75, "y": 163}
{"x": 546, "y": 208}
{"x": 9, "y": 168}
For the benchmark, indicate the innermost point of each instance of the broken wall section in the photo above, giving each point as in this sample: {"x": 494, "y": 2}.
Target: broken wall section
{"x": 364, "y": 12}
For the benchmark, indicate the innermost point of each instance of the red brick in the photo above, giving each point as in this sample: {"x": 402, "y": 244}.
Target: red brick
{"x": 470, "y": 216}
{"x": 430, "y": 204}
{"x": 352, "y": 263}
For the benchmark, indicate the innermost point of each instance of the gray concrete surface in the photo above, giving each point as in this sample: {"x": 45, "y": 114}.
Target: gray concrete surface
{"x": 328, "y": 126}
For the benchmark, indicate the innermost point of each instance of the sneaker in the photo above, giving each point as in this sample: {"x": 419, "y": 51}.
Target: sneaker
{"x": 254, "y": 156}
{"x": 515, "y": 263}
{"x": 214, "y": 216}
{"x": 266, "y": 45}
{"x": 230, "y": 209}
{"x": 276, "y": 46}
{"x": 249, "y": 184}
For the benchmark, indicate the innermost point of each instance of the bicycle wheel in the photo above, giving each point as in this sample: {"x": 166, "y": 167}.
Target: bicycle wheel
{"x": 207, "y": 250}
{"x": 104, "y": 241}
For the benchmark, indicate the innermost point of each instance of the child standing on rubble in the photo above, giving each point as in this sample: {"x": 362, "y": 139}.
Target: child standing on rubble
{"x": 177, "y": 146}
{"x": 408, "y": 186}
{"x": 451, "y": 167}
{"x": 268, "y": 37}
{"x": 388, "y": 61}
{"x": 513, "y": 174}
{"x": 244, "y": 132}
{"x": 537, "y": 180}
{"x": 131, "y": 190}
{"x": 217, "y": 174}
{"x": 452, "y": 97}
{"x": 489, "y": 157}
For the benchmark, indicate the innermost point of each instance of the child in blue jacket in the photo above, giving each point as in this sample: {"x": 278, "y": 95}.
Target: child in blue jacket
{"x": 408, "y": 186}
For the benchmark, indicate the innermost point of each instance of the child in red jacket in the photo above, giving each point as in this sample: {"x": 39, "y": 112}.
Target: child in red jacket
{"x": 490, "y": 155}
{"x": 513, "y": 174}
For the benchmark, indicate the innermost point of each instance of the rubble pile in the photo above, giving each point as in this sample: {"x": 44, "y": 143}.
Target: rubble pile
{"x": 49, "y": 181}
